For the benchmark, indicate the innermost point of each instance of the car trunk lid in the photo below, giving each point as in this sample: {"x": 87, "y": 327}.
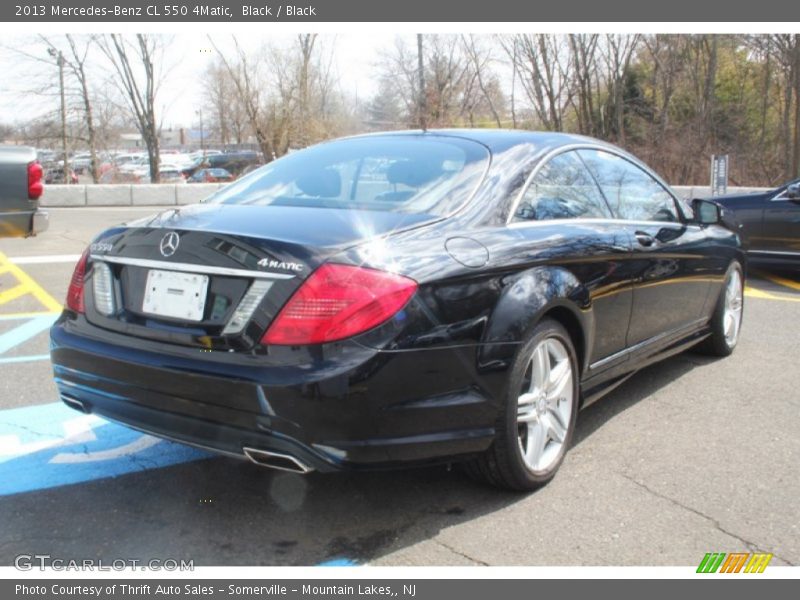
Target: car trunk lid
{"x": 214, "y": 276}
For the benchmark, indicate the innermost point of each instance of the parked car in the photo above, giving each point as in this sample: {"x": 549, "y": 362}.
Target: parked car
{"x": 20, "y": 189}
{"x": 210, "y": 176}
{"x": 171, "y": 175}
{"x": 56, "y": 175}
{"x": 769, "y": 224}
{"x": 117, "y": 175}
{"x": 397, "y": 299}
{"x": 233, "y": 162}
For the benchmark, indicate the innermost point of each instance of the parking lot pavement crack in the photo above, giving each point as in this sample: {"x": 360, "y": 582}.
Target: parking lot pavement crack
{"x": 752, "y": 546}
{"x": 461, "y": 554}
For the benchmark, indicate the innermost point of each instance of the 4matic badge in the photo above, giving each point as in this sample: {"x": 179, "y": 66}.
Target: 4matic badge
{"x": 269, "y": 263}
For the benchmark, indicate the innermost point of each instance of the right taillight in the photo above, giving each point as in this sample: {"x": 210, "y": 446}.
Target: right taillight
{"x": 35, "y": 185}
{"x": 75, "y": 292}
{"x": 337, "y": 302}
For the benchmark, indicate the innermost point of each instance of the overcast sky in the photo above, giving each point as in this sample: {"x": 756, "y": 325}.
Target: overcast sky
{"x": 181, "y": 92}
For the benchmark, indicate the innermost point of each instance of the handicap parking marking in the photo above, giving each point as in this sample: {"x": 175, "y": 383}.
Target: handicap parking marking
{"x": 51, "y": 445}
{"x": 34, "y": 322}
{"x": 27, "y": 285}
{"x": 22, "y": 333}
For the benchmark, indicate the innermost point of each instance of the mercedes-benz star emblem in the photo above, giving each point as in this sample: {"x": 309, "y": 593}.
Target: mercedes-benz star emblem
{"x": 169, "y": 244}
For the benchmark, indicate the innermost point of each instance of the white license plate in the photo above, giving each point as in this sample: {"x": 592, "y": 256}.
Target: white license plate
{"x": 175, "y": 295}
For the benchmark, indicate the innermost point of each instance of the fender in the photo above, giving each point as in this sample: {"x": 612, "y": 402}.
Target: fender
{"x": 525, "y": 299}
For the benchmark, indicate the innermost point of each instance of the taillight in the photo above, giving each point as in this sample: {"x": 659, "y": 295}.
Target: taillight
{"x": 75, "y": 291}
{"x": 35, "y": 185}
{"x": 339, "y": 301}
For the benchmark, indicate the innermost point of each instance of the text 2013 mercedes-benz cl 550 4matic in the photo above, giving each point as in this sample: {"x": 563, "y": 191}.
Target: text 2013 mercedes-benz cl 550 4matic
{"x": 399, "y": 298}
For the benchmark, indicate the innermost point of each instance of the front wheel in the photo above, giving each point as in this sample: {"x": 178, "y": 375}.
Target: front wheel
{"x": 726, "y": 322}
{"x": 538, "y": 418}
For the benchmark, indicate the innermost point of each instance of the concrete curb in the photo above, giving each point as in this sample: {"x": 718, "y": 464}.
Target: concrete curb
{"x": 164, "y": 194}
{"x": 168, "y": 194}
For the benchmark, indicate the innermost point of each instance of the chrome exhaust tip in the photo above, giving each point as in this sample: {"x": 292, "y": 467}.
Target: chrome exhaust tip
{"x": 277, "y": 460}
{"x": 75, "y": 403}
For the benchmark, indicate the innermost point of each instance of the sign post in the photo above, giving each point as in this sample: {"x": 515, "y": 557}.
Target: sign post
{"x": 719, "y": 174}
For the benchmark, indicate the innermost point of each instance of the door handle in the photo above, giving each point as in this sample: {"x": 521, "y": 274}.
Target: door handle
{"x": 644, "y": 239}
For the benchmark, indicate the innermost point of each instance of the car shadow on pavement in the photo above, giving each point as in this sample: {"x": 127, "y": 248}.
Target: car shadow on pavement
{"x": 221, "y": 511}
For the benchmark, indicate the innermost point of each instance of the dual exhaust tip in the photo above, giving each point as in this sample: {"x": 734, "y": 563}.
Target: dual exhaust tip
{"x": 277, "y": 460}
{"x": 264, "y": 458}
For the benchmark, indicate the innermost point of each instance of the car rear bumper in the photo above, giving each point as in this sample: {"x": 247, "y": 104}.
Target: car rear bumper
{"x": 364, "y": 412}
{"x": 40, "y": 222}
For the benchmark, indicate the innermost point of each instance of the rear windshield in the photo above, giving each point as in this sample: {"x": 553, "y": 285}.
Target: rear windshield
{"x": 404, "y": 173}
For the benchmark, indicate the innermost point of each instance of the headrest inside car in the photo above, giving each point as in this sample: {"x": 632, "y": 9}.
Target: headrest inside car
{"x": 325, "y": 183}
{"x": 412, "y": 173}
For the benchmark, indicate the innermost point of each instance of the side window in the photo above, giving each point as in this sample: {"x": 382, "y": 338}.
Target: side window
{"x": 562, "y": 189}
{"x": 631, "y": 192}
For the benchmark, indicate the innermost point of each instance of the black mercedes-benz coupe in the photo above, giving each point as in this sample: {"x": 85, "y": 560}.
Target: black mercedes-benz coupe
{"x": 399, "y": 298}
{"x": 768, "y": 223}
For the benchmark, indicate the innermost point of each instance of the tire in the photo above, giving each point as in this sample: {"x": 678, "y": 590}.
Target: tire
{"x": 536, "y": 422}
{"x": 726, "y": 322}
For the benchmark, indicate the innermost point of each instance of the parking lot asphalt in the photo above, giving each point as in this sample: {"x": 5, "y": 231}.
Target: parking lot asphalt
{"x": 689, "y": 456}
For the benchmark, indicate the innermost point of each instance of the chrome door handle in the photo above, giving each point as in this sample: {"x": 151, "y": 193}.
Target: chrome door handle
{"x": 644, "y": 239}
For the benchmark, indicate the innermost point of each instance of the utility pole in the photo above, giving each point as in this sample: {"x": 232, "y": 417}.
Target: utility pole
{"x": 202, "y": 137}
{"x": 60, "y": 61}
{"x": 423, "y": 109}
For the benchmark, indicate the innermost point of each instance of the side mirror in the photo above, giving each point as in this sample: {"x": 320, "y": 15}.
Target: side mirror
{"x": 793, "y": 191}
{"x": 706, "y": 212}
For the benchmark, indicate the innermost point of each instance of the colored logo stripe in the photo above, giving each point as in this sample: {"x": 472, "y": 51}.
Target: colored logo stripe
{"x": 734, "y": 562}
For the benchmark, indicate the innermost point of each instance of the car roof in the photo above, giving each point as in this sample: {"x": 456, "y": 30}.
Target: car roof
{"x": 500, "y": 139}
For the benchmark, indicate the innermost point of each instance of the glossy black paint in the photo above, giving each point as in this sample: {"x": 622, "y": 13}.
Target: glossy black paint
{"x": 424, "y": 386}
{"x": 769, "y": 224}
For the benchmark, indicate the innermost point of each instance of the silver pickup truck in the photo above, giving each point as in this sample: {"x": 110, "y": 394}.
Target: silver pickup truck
{"x": 21, "y": 185}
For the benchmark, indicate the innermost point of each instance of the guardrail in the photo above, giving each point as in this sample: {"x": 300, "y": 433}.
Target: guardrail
{"x": 167, "y": 194}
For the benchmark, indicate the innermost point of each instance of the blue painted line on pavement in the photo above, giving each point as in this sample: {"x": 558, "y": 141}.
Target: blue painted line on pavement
{"x": 22, "y": 359}
{"x": 51, "y": 445}
{"x": 22, "y": 333}
{"x": 338, "y": 562}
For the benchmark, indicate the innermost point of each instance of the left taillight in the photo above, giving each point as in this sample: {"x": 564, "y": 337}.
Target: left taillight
{"x": 75, "y": 292}
{"x": 35, "y": 184}
{"x": 337, "y": 302}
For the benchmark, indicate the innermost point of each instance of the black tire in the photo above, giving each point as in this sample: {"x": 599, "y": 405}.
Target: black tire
{"x": 717, "y": 344}
{"x": 502, "y": 465}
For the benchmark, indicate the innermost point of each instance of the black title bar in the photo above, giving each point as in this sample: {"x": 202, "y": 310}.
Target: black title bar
{"x": 471, "y": 11}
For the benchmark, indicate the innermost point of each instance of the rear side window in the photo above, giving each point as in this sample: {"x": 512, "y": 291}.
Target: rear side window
{"x": 562, "y": 189}
{"x": 631, "y": 192}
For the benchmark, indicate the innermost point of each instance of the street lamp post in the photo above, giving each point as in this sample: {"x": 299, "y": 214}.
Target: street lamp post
{"x": 60, "y": 61}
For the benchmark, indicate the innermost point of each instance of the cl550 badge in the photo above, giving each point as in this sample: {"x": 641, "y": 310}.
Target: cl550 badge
{"x": 101, "y": 247}
{"x": 268, "y": 263}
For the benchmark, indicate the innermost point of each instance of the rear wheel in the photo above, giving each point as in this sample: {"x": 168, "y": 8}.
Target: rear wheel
{"x": 538, "y": 418}
{"x": 726, "y": 322}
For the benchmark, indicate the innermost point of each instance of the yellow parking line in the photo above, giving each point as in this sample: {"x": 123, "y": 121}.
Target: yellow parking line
{"x": 756, "y": 293}
{"x": 33, "y": 288}
{"x": 14, "y": 293}
{"x": 782, "y": 281}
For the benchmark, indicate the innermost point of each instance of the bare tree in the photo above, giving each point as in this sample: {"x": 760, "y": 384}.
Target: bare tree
{"x": 134, "y": 63}
{"x": 244, "y": 75}
{"x": 544, "y": 67}
{"x": 76, "y": 63}
{"x": 481, "y": 60}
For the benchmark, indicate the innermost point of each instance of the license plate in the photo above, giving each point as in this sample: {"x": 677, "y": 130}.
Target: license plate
{"x": 175, "y": 295}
